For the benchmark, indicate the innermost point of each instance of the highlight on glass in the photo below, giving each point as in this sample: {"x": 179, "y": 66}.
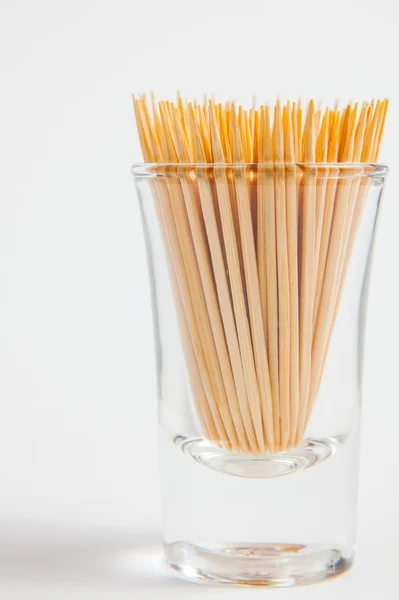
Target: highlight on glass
{"x": 259, "y": 226}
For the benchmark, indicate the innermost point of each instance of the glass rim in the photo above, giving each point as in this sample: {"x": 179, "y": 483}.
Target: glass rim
{"x": 148, "y": 170}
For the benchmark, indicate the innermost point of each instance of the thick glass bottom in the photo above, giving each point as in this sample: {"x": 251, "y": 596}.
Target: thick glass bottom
{"x": 274, "y": 565}
{"x": 309, "y": 453}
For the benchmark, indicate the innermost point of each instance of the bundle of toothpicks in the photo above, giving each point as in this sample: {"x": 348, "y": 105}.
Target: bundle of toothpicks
{"x": 258, "y": 236}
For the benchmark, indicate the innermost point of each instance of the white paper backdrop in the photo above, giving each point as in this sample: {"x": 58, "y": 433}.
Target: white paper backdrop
{"x": 78, "y": 463}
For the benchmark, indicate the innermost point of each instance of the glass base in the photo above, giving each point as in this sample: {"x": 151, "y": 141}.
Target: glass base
{"x": 274, "y": 565}
{"x": 309, "y": 453}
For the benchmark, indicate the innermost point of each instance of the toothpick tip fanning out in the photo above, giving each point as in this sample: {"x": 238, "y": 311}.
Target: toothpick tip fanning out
{"x": 238, "y": 133}
{"x": 310, "y": 149}
{"x": 217, "y": 147}
{"x": 191, "y": 131}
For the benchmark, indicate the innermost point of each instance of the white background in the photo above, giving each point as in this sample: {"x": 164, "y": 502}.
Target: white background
{"x": 78, "y": 463}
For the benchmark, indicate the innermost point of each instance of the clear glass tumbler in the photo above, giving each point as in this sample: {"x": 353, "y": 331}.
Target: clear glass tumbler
{"x": 259, "y": 277}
